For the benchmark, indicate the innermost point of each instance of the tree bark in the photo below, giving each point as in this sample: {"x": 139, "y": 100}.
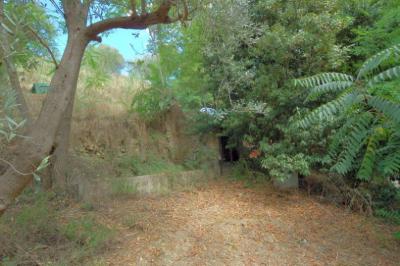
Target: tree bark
{"x": 41, "y": 136}
{"x": 11, "y": 69}
{"x": 59, "y": 163}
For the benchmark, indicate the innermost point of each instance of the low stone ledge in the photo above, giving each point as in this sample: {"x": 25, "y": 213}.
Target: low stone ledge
{"x": 96, "y": 190}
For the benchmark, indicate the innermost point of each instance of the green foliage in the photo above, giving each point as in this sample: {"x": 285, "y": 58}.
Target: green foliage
{"x": 87, "y": 233}
{"x": 104, "y": 58}
{"x": 386, "y": 107}
{"x": 201, "y": 158}
{"x": 325, "y": 79}
{"x": 392, "y": 216}
{"x": 397, "y": 235}
{"x": 390, "y": 163}
{"x": 153, "y": 164}
{"x": 353, "y": 143}
{"x": 282, "y": 166}
{"x": 121, "y": 187}
{"x": 328, "y": 111}
{"x": 373, "y": 62}
{"x": 10, "y": 124}
{"x": 174, "y": 73}
{"x": 386, "y": 200}
{"x": 243, "y": 170}
{"x": 99, "y": 63}
{"x": 150, "y": 103}
{"x": 377, "y": 26}
{"x": 371, "y": 119}
{"x": 38, "y": 219}
{"x": 87, "y": 206}
{"x": 37, "y": 226}
{"x": 21, "y": 19}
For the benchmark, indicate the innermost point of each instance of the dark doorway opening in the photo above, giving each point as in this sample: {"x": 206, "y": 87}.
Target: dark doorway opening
{"x": 228, "y": 154}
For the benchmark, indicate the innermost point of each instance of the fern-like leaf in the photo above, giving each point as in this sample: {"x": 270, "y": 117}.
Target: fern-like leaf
{"x": 389, "y": 74}
{"x": 368, "y": 161}
{"x": 391, "y": 163}
{"x": 373, "y": 62}
{"x": 388, "y": 108}
{"x": 334, "y": 86}
{"x": 340, "y": 135}
{"x": 328, "y": 110}
{"x": 354, "y": 142}
{"x": 321, "y": 79}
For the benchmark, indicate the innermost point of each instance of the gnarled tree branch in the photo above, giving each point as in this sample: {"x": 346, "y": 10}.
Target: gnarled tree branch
{"x": 159, "y": 16}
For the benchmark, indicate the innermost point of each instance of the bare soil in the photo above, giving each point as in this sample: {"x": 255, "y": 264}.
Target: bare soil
{"x": 224, "y": 223}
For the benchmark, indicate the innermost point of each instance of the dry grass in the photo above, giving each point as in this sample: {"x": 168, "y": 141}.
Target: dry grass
{"x": 101, "y": 116}
{"x": 219, "y": 223}
{"x": 102, "y": 119}
{"x": 227, "y": 224}
{"x": 37, "y": 231}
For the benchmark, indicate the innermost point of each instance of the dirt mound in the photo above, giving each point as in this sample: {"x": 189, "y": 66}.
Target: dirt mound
{"x": 227, "y": 224}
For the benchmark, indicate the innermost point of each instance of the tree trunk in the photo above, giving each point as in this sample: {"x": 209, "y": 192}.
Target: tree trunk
{"x": 56, "y": 173}
{"x": 30, "y": 151}
{"x": 42, "y": 136}
{"x": 58, "y": 168}
{"x": 11, "y": 70}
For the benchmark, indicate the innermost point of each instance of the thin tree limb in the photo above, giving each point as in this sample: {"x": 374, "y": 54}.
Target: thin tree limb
{"x": 86, "y": 6}
{"x": 57, "y": 7}
{"x": 44, "y": 44}
{"x": 13, "y": 167}
{"x": 6, "y": 28}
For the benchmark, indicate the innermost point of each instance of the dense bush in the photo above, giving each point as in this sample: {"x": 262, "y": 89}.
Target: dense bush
{"x": 244, "y": 69}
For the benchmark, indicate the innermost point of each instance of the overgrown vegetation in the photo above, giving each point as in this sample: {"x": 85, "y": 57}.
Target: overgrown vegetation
{"x": 247, "y": 61}
{"x": 297, "y": 87}
{"x": 38, "y": 232}
{"x": 152, "y": 165}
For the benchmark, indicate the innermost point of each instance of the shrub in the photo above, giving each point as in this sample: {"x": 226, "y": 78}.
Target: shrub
{"x": 87, "y": 233}
{"x": 368, "y": 140}
{"x": 282, "y": 165}
{"x": 32, "y": 233}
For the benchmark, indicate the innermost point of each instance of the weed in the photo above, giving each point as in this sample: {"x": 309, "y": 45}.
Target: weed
{"x": 31, "y": 233}
{"x": 397, "y": 235}
{"x": 390, "y": 216}
{"x": 202, "y": 158}
{"x": 87, "y": 233}
{"x": 240, "y": 171}
{"x": 122, "y": 187}
{"x": 87, "y": 206}
{"x": 152, "y": 165}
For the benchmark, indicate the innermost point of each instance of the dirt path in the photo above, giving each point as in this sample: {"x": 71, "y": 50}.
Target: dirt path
{"x": 227, "y": 224}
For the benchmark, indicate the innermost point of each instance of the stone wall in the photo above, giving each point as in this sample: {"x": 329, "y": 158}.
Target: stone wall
{"x": 98, "y": 190}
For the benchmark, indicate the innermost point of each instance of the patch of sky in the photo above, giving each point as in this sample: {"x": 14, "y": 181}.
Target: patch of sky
{"x": 132, "y": 44}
